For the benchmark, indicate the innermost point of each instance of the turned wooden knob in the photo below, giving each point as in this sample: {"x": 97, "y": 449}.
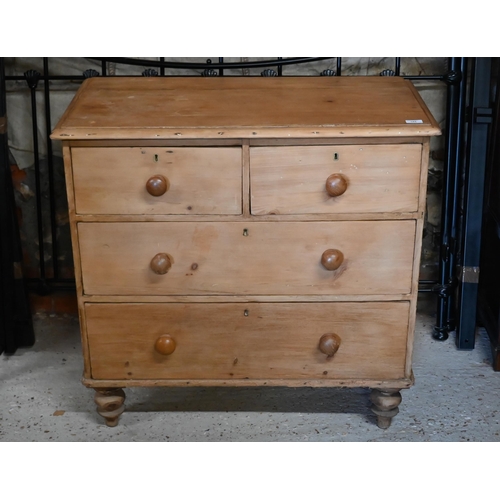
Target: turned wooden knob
{"x": 329, "y": 344}
{"x": 332, "y": 259}
{"x": 336, "y": 185}
{"x": 161, "y": 263}
{"x": 165, "y": 345}
{"x": 157, "y": 185}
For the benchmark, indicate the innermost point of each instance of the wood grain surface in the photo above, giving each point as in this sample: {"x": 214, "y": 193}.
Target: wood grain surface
{"x": 219, "y": 108}
{"x": 201, "y": 180}
{"x": 237, "y": 258}
{"x": 235, "y": 341}
{"x": 291, "y": 180}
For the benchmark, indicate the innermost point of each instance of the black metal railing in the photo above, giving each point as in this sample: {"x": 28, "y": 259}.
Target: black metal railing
{"x": 443, "y": 286}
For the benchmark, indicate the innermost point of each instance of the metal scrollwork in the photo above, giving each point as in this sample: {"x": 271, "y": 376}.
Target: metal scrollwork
{"x": 32, "y": 78}
{"x": 150, "y": 72}
{"x": 90, "y": 73}
{"x": 328, "y": 72}
{"x": 209, "y": 72}
{"x": 388, "y": 72}
{"x": 269, "y": 72}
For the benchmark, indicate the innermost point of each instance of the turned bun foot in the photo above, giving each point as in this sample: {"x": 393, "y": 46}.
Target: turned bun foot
{"x": 385, "y": 405}
{"x": 110, "y": 404}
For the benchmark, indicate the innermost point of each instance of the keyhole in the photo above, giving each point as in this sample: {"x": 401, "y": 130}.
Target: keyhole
{"x": 245, "y": 232}
{"x": 156, "y": 157}
{"x": 335, "y": 156}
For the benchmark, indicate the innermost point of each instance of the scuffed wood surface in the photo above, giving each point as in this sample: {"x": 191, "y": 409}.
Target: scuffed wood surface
{"x": 216, "y": 258}
{"x": 187, "y": 108}
{"x": 235, "y": 341}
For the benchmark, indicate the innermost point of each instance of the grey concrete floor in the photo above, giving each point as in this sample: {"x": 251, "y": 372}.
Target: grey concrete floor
{"x": 456, "y": 397}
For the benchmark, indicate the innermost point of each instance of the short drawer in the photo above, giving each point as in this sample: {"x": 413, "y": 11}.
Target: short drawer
{"x": 361, "y": 179}
{"x": 264, "y": 258}
{"x": 247, "y": 341}
{"x": 157, "y": 180}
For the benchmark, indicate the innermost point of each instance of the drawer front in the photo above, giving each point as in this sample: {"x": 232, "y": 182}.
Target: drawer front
{"x": 362, "y": 179}
{"x": 265, "y": 258}
{"x": 197, "y": 180}
{"x": 239, "y": 341}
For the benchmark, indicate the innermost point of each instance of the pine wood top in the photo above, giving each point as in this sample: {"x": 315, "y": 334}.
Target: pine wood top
{"x": 245, "y": 107}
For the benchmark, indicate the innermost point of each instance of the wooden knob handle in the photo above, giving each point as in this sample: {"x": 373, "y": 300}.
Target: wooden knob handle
{"x": 165, "y": 345}
{"x": 161, "y": 263}
{"x": 329, "y": 344}
{"x": 332, "y": 259}
{"x": 336, "y": 185}
{"x": 157, "y": 185}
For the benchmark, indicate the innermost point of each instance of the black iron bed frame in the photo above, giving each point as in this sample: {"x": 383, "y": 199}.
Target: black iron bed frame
{"x": 466, "y": 136}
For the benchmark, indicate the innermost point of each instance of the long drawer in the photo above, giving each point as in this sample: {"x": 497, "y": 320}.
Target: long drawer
{"x": 151, "y": 181}
{"x": 226, "y": 258}
{"x": 239, "y": 341}
{"x": 335, "y": 179}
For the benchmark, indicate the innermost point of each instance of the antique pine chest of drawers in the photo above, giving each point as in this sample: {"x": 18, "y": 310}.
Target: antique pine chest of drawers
{"x": 247, "y": 232}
